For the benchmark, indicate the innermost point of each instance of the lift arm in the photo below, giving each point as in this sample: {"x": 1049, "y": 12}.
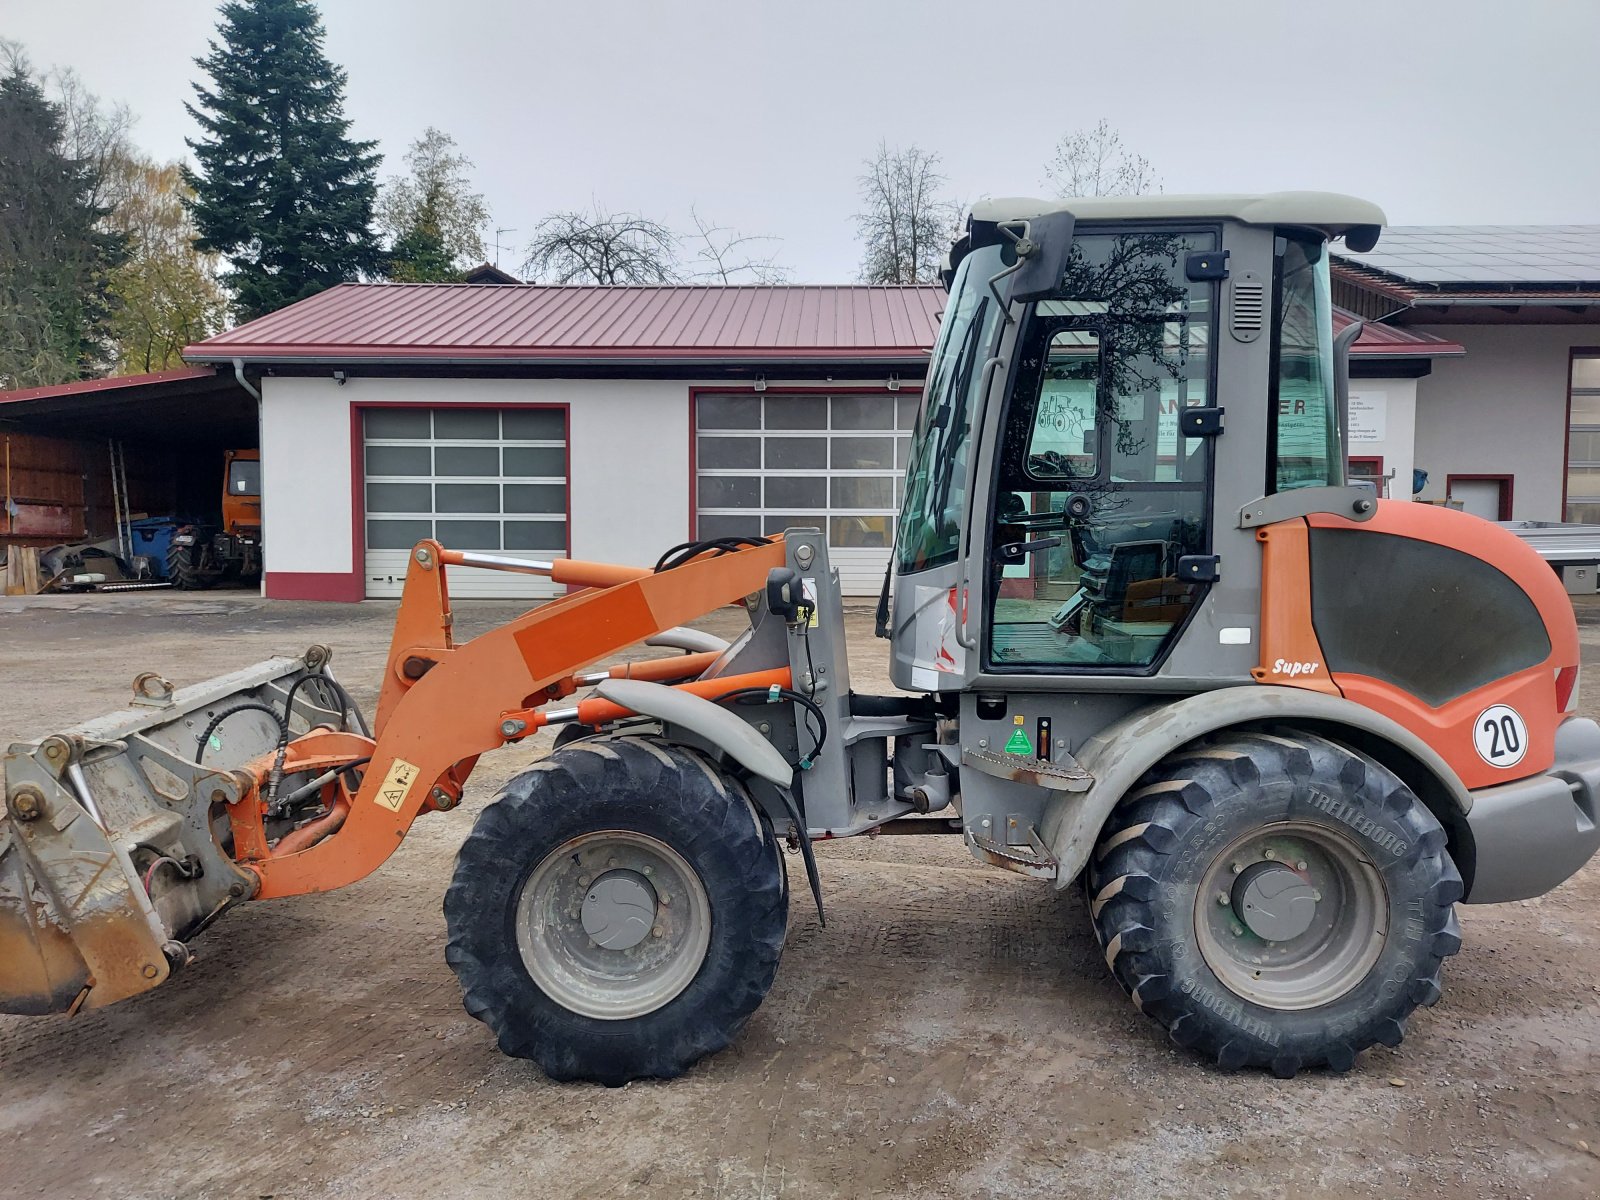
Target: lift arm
{"x": 443, "y": 704}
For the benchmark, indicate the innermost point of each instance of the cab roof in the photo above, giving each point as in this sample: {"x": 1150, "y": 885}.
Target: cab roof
{"x": 1332, "y": 213}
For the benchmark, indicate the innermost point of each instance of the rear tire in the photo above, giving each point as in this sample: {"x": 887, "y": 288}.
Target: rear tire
{"x": 686, "y": 867}
{"x": 187, "y": 570}
{"x": 1275, "y": 901}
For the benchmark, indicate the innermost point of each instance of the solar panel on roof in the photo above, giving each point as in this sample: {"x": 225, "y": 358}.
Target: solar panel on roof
{"x": 1488, "y": 253}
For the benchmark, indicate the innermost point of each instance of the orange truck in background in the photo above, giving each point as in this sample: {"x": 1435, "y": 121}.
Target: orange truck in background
{"x": 201, "y": 556}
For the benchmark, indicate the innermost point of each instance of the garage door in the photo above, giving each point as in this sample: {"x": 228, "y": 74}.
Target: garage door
{"x": 474, "y": 478}
{"x": 768, "y": 462}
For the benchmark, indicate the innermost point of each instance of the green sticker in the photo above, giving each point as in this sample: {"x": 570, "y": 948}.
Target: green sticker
{"x": 214, "y": 742}
{"x": 1019, "y": 743}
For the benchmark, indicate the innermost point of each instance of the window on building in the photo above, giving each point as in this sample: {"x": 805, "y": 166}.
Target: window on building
{"x": 766, "y": 463}
{"x": 1583, "y": 440}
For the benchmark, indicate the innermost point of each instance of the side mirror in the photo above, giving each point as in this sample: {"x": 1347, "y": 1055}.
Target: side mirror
{"x": 1043, "y": 253}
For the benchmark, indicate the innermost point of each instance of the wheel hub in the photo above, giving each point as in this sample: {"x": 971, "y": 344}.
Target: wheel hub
{"x": 619, "y": 910}
{"x": 1291, "y": 915}
{"x": 613, "y": 924}
{"x": 1274, "y": 902}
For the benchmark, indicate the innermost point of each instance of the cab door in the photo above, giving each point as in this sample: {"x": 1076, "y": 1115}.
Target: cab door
{"x": 1099, "y": 539}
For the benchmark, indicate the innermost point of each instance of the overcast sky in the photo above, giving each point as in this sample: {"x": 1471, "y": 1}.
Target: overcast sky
{"x": 1448, "y": 112}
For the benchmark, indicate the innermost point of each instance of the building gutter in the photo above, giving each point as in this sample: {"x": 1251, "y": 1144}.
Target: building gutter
{"x": 917, "y": 359}
{"x": 238, "y": 373}
{"x": 1509, "y": 300}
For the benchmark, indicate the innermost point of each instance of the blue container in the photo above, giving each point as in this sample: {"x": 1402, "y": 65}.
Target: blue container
{"x": 151, "y": 538}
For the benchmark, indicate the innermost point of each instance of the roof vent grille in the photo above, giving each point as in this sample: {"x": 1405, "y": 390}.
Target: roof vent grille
{"x": 1247, "y": 306}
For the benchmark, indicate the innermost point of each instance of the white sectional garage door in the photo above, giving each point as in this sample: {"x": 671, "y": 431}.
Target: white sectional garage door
{"x": 767, "y": 462}
{"x": 490, "y": 479}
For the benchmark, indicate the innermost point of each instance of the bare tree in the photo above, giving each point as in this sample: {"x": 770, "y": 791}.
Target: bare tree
{"x": 433, "y": 218}
{"x": 1094, "y": 162}
{"x": 723, "y": 255}
{"x": 906, "y": 220}
{"x": 601, "y": 247}
{"x": 95, "y": 134}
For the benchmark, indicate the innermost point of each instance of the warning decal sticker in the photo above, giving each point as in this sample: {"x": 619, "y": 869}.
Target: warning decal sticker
{"x": 1019, "y": 743}
{"x": 396, "y": 785}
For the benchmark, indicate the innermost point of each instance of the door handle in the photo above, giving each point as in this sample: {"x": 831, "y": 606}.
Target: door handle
{"x": 1015, "y": 552}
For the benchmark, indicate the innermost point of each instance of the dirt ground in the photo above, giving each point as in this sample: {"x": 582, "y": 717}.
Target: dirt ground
{"x": 953, "y": 1032}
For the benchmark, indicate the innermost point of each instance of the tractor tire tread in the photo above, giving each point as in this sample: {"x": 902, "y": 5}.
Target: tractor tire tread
{"x": 1126, "y": 870}
{"x": 707, "y": 818}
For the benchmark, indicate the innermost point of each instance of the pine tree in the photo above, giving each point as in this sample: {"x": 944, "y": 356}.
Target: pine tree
{"x": 55, "y": 256}
{"x": 281, "y": 191}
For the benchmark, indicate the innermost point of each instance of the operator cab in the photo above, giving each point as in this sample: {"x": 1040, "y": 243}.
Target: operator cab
{"x": 1067, "y": 460}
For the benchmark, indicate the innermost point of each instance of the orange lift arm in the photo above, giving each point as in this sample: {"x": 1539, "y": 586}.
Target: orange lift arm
{"x": 442, "y": 703}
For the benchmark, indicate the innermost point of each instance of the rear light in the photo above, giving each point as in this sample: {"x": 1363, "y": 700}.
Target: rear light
{"x": 1567, "y": 689}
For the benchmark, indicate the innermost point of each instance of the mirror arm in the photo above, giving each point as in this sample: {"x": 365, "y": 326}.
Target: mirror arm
{"x": 1341, "y": 387}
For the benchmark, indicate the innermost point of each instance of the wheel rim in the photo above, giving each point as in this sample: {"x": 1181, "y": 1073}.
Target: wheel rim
{"x": 613, "y": 924}
{"x": 1292, "y": 916}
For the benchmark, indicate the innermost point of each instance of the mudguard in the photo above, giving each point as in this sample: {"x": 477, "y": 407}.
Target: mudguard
{"x": 709, "y": 720}
{"x": 1122, "y": 752}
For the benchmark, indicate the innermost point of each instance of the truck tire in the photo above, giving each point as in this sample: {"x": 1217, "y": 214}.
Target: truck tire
{"x": 186, "y": 569}
{"x": 1275, "y": 900}
{"x": 617, "y": 912}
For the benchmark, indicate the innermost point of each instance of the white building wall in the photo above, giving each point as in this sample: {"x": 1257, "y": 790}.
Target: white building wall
{"x": 1383, "y": 424}
{"x": 1501, "y": 410}
{"x": 629, "y": 468}
{"x": 305, "y": 475}
{"x": 629, "y": 460}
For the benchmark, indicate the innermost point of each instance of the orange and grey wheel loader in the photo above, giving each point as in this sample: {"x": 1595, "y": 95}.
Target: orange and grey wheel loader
{"x": 1146, "y": 636}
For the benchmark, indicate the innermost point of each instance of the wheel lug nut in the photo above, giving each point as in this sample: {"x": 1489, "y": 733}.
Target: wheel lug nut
{"x": 1301, "y": 865}
{"x": 1238, "y": 930}
{"x": 649, "y": 870}
{"x": 1269, "y": 852}
{"x": 1222, "y": 897}
{"x": 657, "y": 931}
{"x": 583, "y": 880}
{"x": 1237, "y": 867}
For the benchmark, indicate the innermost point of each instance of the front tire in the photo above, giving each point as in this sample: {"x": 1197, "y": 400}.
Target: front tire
{"x": 1275, "y": 901}
{"x": 618, "y": 912}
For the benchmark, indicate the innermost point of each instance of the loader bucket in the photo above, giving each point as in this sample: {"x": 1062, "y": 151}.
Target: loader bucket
{"x": 114, "y": 840}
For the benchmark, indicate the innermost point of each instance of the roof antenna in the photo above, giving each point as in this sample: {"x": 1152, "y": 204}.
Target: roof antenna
{"x": 497, "y": 234}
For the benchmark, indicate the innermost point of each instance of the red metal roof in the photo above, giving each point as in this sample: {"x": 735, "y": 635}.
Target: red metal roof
{"x": 1393, "y": 341}
{"x": 535, "y": 322}
{"x": 84, "y": 386}
{"x": 531, "y": 322}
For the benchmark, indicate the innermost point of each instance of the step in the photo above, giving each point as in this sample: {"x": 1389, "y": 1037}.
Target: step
{"x": 1061, "y": 774}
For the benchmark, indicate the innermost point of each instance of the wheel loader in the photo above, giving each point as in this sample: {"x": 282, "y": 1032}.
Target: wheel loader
{"x": 1147, "y": 641}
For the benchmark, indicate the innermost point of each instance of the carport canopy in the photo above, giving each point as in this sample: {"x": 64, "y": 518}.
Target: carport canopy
{"x": 190, "y": 406}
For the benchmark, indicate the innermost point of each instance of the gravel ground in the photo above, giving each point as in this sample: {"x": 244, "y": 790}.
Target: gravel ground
{"x": 952, "y": 1033}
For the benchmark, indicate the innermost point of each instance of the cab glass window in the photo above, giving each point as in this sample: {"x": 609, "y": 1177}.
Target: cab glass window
{"x": 244, "y": 477}
{"x": 936, "y": 478}
{"x": 1099, "y": 494}
{"x": 1305, "y": 437}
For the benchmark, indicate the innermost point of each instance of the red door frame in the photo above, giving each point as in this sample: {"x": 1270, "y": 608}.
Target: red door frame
{"x": 748, "y": 390}
{"x": 1507, "y": 487}
{"x": 1574, "y": 353}
{"x": 351, "y": 586}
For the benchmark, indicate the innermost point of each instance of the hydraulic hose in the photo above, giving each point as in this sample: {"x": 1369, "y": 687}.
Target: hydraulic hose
{"x": 247, "y": 706}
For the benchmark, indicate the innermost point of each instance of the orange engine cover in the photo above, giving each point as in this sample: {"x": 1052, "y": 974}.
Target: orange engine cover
{"x": 1443, "y": 622}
